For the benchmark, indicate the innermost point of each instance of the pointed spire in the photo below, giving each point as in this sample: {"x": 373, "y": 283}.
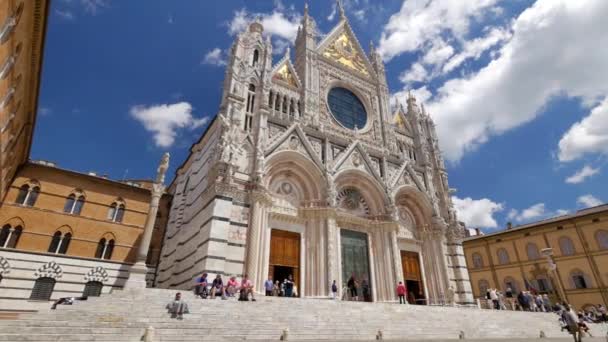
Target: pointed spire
{"x": 372, "y": 48}
{"x": 287, "y": 52}
{"x": 340, "y": 9}
{"x": 411, "y": 103}
{"x": 306, "y": 9}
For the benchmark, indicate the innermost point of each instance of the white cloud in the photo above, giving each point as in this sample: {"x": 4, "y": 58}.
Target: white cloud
{"x": 582, "y": 174}
{"x": 535, "y": 212}
{"x": 44, "y": 111}
{"x": 477, "y": 213}
{"x": 421, "y": 21}
{"x": 589, "y": 135}
{"x": 65, "y": 14}
{"x": 282, "y": 25}
{"x": 531, "y": 68}
{"x": 475, "y": 47}
{"x": 588, "y": 201}
{"x": 417, "y": 73}
{"x": 93, "y": 6}
{"x": 332, "y": 15}
{"x": 359, "y": 14}
{"x": 214, "y": 57}
{"x": 439, "y": 52}
{"x": 278, "y": 23}
{"x": 165, "y": 119}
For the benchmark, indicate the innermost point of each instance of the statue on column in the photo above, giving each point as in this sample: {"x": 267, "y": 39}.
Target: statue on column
{"x": 162, "y": 168}
{"x": 159, "y": 183}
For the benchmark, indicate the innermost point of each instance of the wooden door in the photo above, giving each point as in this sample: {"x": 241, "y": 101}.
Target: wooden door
{"x": 412, "y": 276}
{"x": 285, "y": 251}
{"x": 411, "y": 266}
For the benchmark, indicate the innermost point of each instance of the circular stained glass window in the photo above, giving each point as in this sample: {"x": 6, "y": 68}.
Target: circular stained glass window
{"x": 347, "y": 108}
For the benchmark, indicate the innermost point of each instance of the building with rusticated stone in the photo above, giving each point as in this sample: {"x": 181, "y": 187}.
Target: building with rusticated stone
{"x": 307, "y": 171}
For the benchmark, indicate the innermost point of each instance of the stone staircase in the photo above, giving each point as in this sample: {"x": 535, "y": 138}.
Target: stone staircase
{"x": 125, "y": 316}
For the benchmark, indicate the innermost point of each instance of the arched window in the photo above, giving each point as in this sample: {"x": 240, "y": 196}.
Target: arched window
{"x": 101, "y": 245}
{"x": 60, "y": 243}
{"x": 250, "y": 107}
{"x": 74, "y": 203}
{"x": 503, "y": 256}
{"x": 9, "y": 236}
{"x": 579, "y": 280}
{"x": 28, "y": 194}
{"x": 602, "y": 239}
{"x": 105, "y": 247}
{"x": 43, "y": 289}
{"x": 511, "y": 283}
{"x": 256, "y": 57}
{"x": 483, "y": 286}
{"x": 92, "y": 289}
{"x": 117, "y": 211}
{"x": 477, "y": 260}
{"x": 532, "y": 251}
{"x": 566, "y": 245}
{"x": 543, "y": 284}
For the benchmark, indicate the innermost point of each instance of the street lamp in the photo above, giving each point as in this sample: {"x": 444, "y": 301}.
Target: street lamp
{"x": 548, "y": 253}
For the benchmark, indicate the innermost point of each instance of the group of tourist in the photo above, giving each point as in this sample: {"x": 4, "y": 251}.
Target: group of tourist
{"x": 286, "y": 288}
{"x": 572, "y": 321}
{"x": 524, "y": 301}
{"x": 217, "y": 287}
{"x": 576, "y": 322}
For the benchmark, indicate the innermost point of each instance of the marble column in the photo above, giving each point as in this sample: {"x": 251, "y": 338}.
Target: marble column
{"x": 333, "y": 272}
{"x": 254, "y": 267}
{"x": 138, "y": 272}
{"x": 397, "y": 266}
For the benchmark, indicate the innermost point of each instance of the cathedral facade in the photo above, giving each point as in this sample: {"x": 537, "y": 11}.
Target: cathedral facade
{"x": 306, "y": 171}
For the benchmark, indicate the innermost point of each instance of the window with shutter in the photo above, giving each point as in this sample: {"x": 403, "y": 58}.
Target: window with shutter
{"x": 43, "y": 289}
{"x": 92, "y": 289}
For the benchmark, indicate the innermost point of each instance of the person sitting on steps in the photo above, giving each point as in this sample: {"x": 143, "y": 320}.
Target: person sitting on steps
{"x": 201, "y": 288}
{"x": 246, "y": 289}
{"x": 231, "y": 286}
{"x": 177, "y": 308}
{"x": 218, "y": 287}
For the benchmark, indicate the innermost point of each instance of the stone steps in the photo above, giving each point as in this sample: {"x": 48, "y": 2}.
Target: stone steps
{"x": 125, "y": 315}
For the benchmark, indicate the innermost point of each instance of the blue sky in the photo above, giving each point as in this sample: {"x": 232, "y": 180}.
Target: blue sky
{"x": 517, "y": 88}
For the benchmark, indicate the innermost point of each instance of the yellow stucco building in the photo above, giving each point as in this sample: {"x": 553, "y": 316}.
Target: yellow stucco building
{"x": 516, "y": 258}
{"x": 65, "y": 233}
{"x": 22, "y": 32}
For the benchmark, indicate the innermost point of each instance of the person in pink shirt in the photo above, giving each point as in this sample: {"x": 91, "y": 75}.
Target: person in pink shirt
{"x": 246, "y": 289}
{"x": 401, "y": 293}
{"x": 231, "y": 286}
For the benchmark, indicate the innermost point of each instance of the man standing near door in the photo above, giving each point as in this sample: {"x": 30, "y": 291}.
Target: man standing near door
{"x": 289, "y": 286}
{"x": 268, "y": 285}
